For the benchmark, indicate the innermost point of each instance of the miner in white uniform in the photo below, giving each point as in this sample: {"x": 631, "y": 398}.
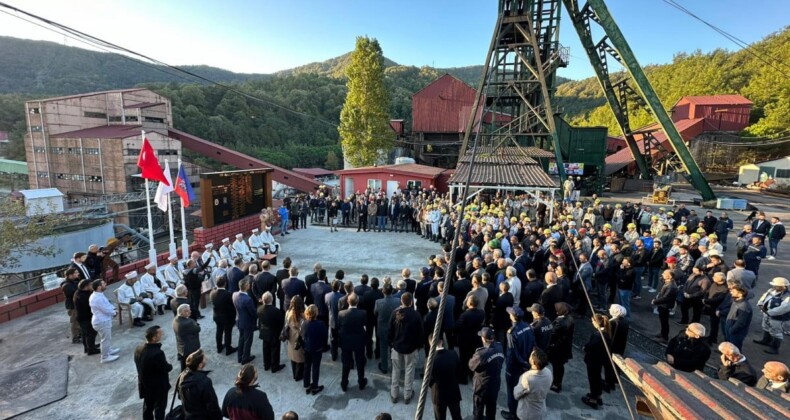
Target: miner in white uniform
{"x": 173, "y": 275}
{"x": 241, "y": 248}
{"x": 226, "y": 251}
{"x": 127, "y": 295}
{"x": 211, "y": 256}
{"x": 256, "y": 245}
{"x": 148, "y": 284}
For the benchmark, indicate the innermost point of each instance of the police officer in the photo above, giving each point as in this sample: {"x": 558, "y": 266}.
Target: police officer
{"x": 486, "y": 364}
{"x": 775, "y": 304}
{"x": 520, "y": 342}
{"x": 541, "y": 326}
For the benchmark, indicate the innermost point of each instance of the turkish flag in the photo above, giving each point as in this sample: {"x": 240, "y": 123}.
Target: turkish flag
{"x": 149, "y": 164}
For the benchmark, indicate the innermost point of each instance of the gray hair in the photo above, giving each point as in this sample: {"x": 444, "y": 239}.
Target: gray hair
{"x": 181, "y": 290}
{"x": 223, "y": 263}
{"x": 510, "y": 272}
{"x": 725, "y": 347}
{"x": 293, "y": 271}
{"x": 182, "y": 309}
{"x": 401, "y": 285}
{"x": 268, "y": 298}
{"x": 386, "y": 280}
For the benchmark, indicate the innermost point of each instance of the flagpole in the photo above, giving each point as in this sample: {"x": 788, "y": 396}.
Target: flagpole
{"x": 151, "y": 249}
{"x": 173, "y": 250}
{"x": 184, "y": 242}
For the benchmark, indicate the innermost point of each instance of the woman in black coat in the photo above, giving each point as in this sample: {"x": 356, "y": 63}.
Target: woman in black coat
{"x": 314, "y": 335}
{"x": 195, "y": 390}
{"x": 560, "y": 348}
{"x": 595, "y": 357}
{"x": 245, "y": 401}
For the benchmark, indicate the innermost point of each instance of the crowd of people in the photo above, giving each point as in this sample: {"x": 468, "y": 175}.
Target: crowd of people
{"x": 526, "y": 270}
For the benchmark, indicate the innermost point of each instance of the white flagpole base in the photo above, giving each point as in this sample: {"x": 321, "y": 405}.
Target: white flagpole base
{"x": 173, "y": 250}
{"x": 185, "y": 248}
{"x": 152, "y": 256}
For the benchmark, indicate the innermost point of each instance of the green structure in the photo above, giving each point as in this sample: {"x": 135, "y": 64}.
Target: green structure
{"x": 518, "y": 84}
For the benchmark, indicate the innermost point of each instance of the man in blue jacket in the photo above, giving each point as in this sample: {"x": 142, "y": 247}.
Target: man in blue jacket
{"x": 487, "y": 367}
{"x": 520, "y": 342}
{"x": 246, "y": 321}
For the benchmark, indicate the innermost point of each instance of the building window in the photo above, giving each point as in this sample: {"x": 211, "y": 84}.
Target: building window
{"x": 74, "y": 150}
{"x": 43, "y": 174}
{"x": 35, "y": 128}
{"x": 131, "y": 119}
{"x": 782, "y": 173}
{"x": 413, "y": 185}
{"x": 35, "y": 111}
{"x": 94, "y": 178}
{"x": 88, "y": 114}
{"x": 374, "y": 184}
{"x": 91, "y": 151}
{"x": 154, "y": 120}
{"x": 115, "y": 118}
{"x": 56, "y": 150}
{"x": 167, "y": 152}
{"x": 131, "y": 152}
{"x": 39, "y": 149}
{"x": 76, "y": 177}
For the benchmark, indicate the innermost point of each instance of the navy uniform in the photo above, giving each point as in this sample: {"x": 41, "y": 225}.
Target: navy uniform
{"x": 486, "y": 364}
{"x": 521, "y": 341}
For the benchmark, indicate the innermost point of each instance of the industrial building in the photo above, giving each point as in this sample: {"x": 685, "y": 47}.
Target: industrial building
{"x": 389, "y": 178}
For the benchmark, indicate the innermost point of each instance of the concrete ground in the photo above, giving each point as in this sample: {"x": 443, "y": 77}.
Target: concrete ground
{"x": 109, "y": 391}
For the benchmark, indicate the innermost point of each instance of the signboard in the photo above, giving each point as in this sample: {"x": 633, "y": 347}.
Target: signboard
{"x": 231, "y": 195}
{"x": 570, "y": 168}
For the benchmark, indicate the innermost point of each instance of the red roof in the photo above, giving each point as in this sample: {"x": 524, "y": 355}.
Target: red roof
{"x": 688, "y": 129}
{"x": 716, "y": 100}
{"x": 313, "y": 171}
{"x": 404, "y": 168}
{"x": 102, "y": 132}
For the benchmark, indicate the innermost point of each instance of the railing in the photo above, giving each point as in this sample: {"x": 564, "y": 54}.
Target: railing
{"x": 16, "y": 284}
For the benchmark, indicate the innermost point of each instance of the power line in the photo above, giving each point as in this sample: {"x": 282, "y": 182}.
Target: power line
{"x": 760, "y": 56}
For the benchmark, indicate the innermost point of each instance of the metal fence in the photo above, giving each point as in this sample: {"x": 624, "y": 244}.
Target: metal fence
{"x": 21, "y": 284}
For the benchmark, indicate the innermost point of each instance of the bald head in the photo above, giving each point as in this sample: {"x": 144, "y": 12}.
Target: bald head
{"x": 776, "y": 371}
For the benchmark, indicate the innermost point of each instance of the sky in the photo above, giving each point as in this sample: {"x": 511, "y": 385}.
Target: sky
{"x": 264, "y": 36}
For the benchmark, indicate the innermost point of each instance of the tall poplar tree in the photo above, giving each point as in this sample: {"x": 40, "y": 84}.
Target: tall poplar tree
{"x": 364, "y": 121}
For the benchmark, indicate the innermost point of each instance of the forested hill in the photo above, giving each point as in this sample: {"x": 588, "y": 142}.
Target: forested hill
{"x": 33, "y": 67}
{"x": 697, "y": 73}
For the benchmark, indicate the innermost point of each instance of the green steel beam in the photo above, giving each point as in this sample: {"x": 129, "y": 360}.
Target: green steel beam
{"x": 643, "y": 86}
{"x": 582, "y": 26}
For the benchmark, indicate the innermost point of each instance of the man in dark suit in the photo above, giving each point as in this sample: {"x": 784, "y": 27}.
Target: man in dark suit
{"x": 422, "y": 292}
{"x": 351, "y": 328}
{"x": 270, "y": 322}
{"x": 448, "y": 322}
{"x": 368, "y": 304}
{"x": 309, "y": 281}
{"x": 332, "y": 299}
{"x": 281, "y": 275}
{"x": 78, "y": 262}
{"x": 235, "y": 275}
{"x": 382, "y": 310}
{"x": 362, "y": 287}
{"x": 461, "y": 288}
{"x": 246, "y": 321}
{"x": 318, "y": 291}
{"x": 264, "y": 281}
{"x": 224, "y": 315}
{"x": 445, "y": 392}
{"x": 551, "y": 295}
{"x": 187, "y": 333}
{"x": 293, "y": 286}
{"x": 152, "y": 374}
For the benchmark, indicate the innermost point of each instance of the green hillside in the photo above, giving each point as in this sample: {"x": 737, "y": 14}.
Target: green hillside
{"x": 697, "y": 73}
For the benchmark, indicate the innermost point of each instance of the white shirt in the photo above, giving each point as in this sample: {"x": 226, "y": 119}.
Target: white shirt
{"x": 172, "y": 274}
{"x": 226, "y": 253}
{"x": 255, "y": 241}
{"x": 84, "y": 270}
{"x": 102, "y": 309}
{"x": 515, "y": 289}
{"x": 126, "y": 294}
{"x": 207, "y": 254}
{"x": 148, "y": 284}
{"x": 241, "y": 247}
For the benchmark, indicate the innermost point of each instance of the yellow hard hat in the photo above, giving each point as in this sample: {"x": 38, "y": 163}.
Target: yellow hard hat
{"x": 682, "y": 228}
{"x": 695, "y": 235}
{"x": 631, "y": 226}
{"x": 607, "y": 226}
{"x": 700, "y": 230}
{"x": 713, "y": 235}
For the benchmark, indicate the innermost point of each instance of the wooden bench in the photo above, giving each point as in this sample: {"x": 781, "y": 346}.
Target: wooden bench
{"x": 272, "y": 258}
{"x": 121, "y": 307}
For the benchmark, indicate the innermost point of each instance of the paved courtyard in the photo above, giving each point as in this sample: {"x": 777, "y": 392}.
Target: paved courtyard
{"x": 97, "y": 391}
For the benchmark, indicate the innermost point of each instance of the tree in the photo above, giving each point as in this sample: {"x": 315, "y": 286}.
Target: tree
{"x": 364, "y": 121}
{"x": 332, "y": 162}
{"x": 20, "y": 234}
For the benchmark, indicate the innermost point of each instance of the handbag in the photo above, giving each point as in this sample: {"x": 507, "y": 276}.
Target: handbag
{"x": 285, "y": 333}
{"x": 175, "y": 413}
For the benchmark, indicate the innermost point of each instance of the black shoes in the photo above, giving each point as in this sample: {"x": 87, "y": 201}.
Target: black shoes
{"x": 91, "y": 352}
{"x": 138, "y": 323}
{"x": 344, "y": 387}
{"x": 277, "y": 368}
{"x": 230, "y": 350}
{"x": 244, "y": 362}
{"x": 363, "y": 384}
{"x": 317, "y": 389}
